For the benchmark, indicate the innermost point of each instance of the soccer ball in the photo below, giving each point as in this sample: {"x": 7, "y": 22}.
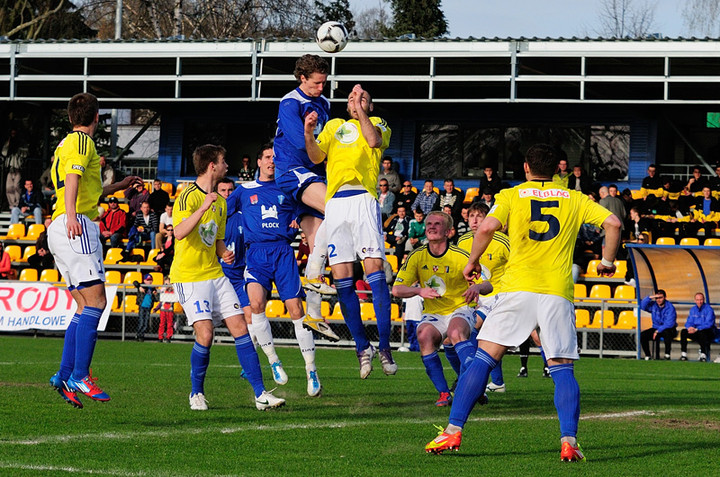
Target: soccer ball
{"x": 332, "y": 37}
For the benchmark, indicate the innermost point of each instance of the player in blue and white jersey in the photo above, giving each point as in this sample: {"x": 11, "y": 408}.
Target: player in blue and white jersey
{"x": 304, "y": 180}
{"x": 267, "y": 213}
{"x": 235, "y": 271}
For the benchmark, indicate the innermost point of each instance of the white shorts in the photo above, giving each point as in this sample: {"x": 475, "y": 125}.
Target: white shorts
{"x": 441, "y": 322}
{"x": 80, "y": 260}
{"x": 515, "y": 315}
{"x": 213, "y": 300}
{"x": 484, "y": 305}
{"x": 353, "y": 228}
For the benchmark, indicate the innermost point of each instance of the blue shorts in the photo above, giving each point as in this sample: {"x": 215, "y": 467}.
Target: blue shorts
{"x": 294, "y": 182}
{"x": 274, "y": 262}
{"x": 237, "y": 278}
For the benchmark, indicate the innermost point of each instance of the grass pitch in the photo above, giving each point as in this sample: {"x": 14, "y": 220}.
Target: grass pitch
{"x": 636, "y": 416}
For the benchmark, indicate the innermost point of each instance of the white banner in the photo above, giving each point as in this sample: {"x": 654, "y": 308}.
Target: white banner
{"x": 39, "y": 306}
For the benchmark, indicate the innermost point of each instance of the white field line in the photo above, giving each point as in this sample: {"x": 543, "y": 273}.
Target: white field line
{"x": 79, "y": 470}
{"x": 58, "y": 439}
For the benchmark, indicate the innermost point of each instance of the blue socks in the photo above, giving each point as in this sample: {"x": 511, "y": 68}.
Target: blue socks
{"x": 381, "y": 304}
{"x": 452, "y": 357}
{"x": 465, "y": 351}
{"x": 85, "y": 339}
{"x": 350, "y": 306}
{"x": 199, "y": 360}
{"x": 434, "y": 370}
{"x": 496, "y": 375}
{"x": 250, "y": 363}
{"x": 67, "y": 362}
{"x": 471, "y": 386}
{"x": 567, "y": 398}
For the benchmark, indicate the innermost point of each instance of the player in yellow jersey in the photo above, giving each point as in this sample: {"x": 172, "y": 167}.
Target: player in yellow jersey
{"x": 438, "y": 267}
{"x": 353, "y": 225}
{"x": 74, "y": 240}
{"x": 206, "y": 295}
{"x": 543, "y": 221}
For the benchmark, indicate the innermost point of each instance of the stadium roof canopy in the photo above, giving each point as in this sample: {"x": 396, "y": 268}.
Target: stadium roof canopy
{"x": 568, "y": 71}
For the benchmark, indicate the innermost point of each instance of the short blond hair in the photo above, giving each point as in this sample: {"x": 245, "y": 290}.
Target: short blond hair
{"x": 447, "y": 218}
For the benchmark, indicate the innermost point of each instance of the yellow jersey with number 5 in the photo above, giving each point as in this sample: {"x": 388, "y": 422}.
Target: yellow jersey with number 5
{"x": 543, "y": 220}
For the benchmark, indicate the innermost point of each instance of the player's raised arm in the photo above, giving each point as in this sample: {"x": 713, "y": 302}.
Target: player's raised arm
{"x": 483, "y": 236}
{"x": 314, "y": 152}
{"x": 122, "y": 185}
{"x": 186, "y": 226}
{"x": 612, "y": 227}
{"x": 370, "y": 132}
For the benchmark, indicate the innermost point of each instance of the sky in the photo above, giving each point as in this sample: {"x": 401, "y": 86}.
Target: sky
{"x": 540, "y": 18}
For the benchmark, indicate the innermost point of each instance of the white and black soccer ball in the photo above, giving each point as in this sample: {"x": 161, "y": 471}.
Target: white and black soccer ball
{"x": 332, "y": 37}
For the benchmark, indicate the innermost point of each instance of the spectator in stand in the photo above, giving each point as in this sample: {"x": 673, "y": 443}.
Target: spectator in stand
{"x": 612, "y": 203}
{"x": 42, "y": 259}
{"x": 30, "y": 203}
{"x": 146, "y": 296}
{"x": 165, "y": 257}
{"x": 413, "y": 310}
{"x": 7, "y": 272}
{"x": 705, "y": 214}
{"x": 112, "y": 224}
{"x": 636, "y": 225}
{"x": 416, "y": 231}
{"x": 696, "y": 182}
{"x": 303, "y": 253}
{"x": 165, "y": 305}
{"x": 396, "y": 232}
{"x": 426, "y": 198}
{"x": 563, "y": 174}
{"x": 579, "y": 180}
{"x": 652, "y": 183}
{"x": 390, "y": 175}
{"x": 158, "y": 199}
{"x": 164, "y": 222}
{"x": 247, "y": 171}
{"x": 107, "y": 172}
{"x": 136, "y": 195}
{"x": 613, "y": 191}
{"x": 13, "y": 152}
{"x": 144, "y": 228}
{"x": 715, "y": 182}
{"x": 490, "y": 180}
{"x": 699, "y": 327}
{"x": 486, "y": 197}
{"x": 452, "y": 197}
{"x": 462, "y": 226}
{"x": 386, "y": 199}
{"x": 664, "y": 324}
{"x": 406, "y": 196}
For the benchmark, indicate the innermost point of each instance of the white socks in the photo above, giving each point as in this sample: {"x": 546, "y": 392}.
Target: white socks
{"x": 260, "y": 328}
{"x": 307, "y": 344}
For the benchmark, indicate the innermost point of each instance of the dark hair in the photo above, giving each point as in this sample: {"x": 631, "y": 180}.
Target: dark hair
{"x": 418, "y": 211}
{"x": 226, "y": 180}
{"x": 206, "y": 154}
{"x": 661, "y": 292}
{"x": 541, "y": 160}
{"x": 309, "y": 64}
{"x": 82, "y": 109}
{"x": 450, "y": 180}
{"x": 263, "y": 148}
{"x": 387, "y": 158}
{"x": 478, "y": 207}
{"x": 613, "y": 186}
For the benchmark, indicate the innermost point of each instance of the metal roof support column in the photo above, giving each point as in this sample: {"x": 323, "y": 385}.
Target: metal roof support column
{"x": 431, "y": 83}
{"x": 13, "y": 73}
{"x": 513, "y": 70}
{"x": 582, "y": 78}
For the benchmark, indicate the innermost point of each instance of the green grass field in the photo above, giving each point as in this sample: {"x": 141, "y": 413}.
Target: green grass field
{"x": 637, "y": 417}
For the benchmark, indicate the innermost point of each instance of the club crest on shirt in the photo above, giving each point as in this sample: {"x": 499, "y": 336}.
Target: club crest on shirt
{"x": 347, "y": 133}
{"x": 281, "y": 199}
{"x": 437, "y": 284}
{"x": 208, "y": 232}
{"x": 254, "y": 199}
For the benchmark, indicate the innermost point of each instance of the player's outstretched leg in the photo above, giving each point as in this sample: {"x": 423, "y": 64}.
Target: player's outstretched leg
{"x": 67, "y": 363}
{"x": 307, "y": 348}
{"x": 260, "y": 328}
{"x": 350, "y": 306}
{"x": 85, "y": 339}
{"x": 248, "y": 358}
{"x": 567, "y": 403}
{"x": 381, "y": 305}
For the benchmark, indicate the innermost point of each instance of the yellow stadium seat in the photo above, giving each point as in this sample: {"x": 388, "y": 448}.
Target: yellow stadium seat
{"x": 689, "y": 241}
{"x": 135, "y": 251}
{"x": 151, "y": 255}
{"x": 14, "y": 252}
{"x": 395, "y": 312}
{"x": 437, "y": 191}
{"x": 113, "y": 256}
{"x": 393, "y": 261}
{"x": 15, "y": 232}
{"x": 130, "y": 304}
{"x": 116, "y": 308}
{"x": 367, "y": 311}
{"x": 608, "y": 320}
{"x": 592, "y": 268}
{"x": 626, "y": 320}
{"x": 580, "y": 290}
{"x": 599, "y": 291}
{"x": 325, "y": 309}
{"x": 34, "y": 231}
{"x": 625, "y": 292}
{"x": 105, "y": 206}
{"x": 120, "y": 194}
{"x": 124, "y": 207}
{"x": 158, "y": 278}
{"x": 177, "y": 307}
{"x": 29, "y": 275}
{"x": 49, "y": 275}
{"x": 387, "y": 245}
{"x": 113, "y": 277}
{"x": 131, "y": 277}
{"x": 167, "y": 187}
{"x": 712, "y": 242}
{"x": 665, "y": 241}
{"x": 180, "y": 187}
{"x": 337, "y": 313}
{"x": 275, "y": 309}
{"x": 582, "y": 318}
{"x": 471, "y": 193}
{"x": 620, "y": 268}
{"x": 28, "y": 252}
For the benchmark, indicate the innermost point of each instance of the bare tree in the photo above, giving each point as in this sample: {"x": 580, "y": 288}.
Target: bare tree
{"x": 702, "y": 16}
{"x": 626, "y": 18}
{"x": 371, "y": 22}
